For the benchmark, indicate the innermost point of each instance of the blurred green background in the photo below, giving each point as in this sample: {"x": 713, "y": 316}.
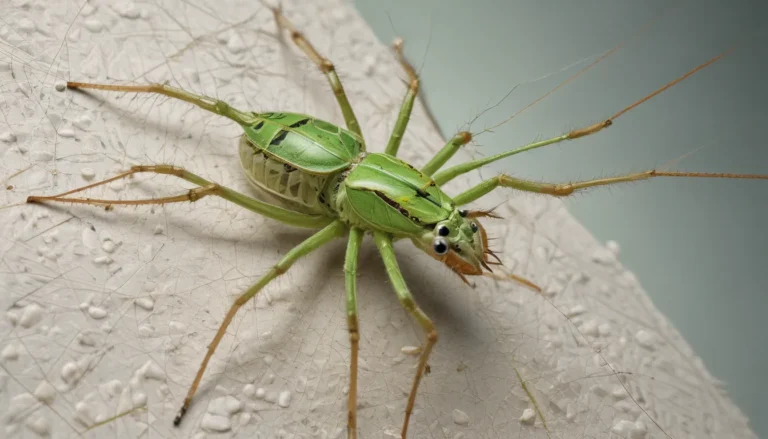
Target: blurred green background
{"x": 698, "y": 246}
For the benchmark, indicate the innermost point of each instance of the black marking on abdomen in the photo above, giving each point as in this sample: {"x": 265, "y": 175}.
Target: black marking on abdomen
{"x": 403, "y": 211}
{"x": 340, "y": 179}
{"x": 279, "y": 138}
{"x": 300, "y": 123}
{"x": 258, "y": 125}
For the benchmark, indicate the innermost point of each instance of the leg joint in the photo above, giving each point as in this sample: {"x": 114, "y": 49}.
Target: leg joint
{"x": 326, "y": 66}
{"x": 222, "y": 107}
{"x": 352, "y": 328}
{"x": 562, "y": 190}
{"x": 414, "y": 85}
{"x": 242, "y": 300}
{"x": 408, "y": 304}
{"x": 279, "y": 269}
{"x": 200, "y": 192}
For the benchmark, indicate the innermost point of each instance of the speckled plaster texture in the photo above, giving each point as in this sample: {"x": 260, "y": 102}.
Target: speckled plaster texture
{"x": 109, "y": 312}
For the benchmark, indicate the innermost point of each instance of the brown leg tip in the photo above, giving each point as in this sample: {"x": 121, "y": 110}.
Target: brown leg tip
{"x": 31, "y": 199}
{"x": 177, "y": 419}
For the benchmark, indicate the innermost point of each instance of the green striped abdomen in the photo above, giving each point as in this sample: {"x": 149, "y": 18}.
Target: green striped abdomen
{"x": 292, "y": 156}
{"x": 296, "y": 189}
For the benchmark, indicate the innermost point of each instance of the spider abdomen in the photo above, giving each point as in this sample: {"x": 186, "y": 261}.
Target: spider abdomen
{"x": 294, "y": 157}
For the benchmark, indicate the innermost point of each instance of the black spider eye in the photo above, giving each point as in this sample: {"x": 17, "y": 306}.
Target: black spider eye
{"x": 463, "y": 212}
{"x": 473, "y": 226}
{"x": 440, "y": 246}
{"x": 443, "y": 231}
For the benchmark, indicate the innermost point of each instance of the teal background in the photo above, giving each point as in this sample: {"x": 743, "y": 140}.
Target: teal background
{"x": 697, "y": 246}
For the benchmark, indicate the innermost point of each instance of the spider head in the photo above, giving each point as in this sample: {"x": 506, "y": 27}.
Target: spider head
{"x": 460, "y": 242}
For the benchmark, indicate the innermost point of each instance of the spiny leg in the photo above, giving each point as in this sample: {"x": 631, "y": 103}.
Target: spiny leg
{"x": 565, "y": 189}
{"x": 384, "y": 243}
{"x": 407, "y": 106}
{"x": 350, "y": 277}
{"x": 206, "y": 188}
{"x": 207, "y": 103}
{"x": 333, "y": 230}
{"x": 325, "y": 66}
{"x": 449, "y": 174}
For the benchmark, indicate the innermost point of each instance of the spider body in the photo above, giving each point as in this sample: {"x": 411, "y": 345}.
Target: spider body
{"x": 315, "y": 167}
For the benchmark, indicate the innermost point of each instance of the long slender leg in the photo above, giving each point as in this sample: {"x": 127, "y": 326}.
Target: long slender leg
{"x": 384, "y": 243}
{"x": 333, "y": 230}
{"x": 451, "y": 173}
{"x": 207, "y": 103}
{"x": 325, "y": 66}
{"x": 450, "y": 148}
{"x": 350, "y": 277}
{"x": 446, "y": 152}
{"x": 407, "y": 106}
{"x": 564, "y": 189}
{"x": 206, "y": 188}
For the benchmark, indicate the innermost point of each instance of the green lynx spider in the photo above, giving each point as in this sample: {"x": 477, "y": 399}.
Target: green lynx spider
{"x": 326, "y": 180}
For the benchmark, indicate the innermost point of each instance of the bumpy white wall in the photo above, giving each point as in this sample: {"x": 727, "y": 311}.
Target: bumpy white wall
{"x": 107, "y": 311}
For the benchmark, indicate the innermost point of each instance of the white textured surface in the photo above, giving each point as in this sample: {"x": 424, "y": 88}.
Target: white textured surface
{"x": 108, "y": 311}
